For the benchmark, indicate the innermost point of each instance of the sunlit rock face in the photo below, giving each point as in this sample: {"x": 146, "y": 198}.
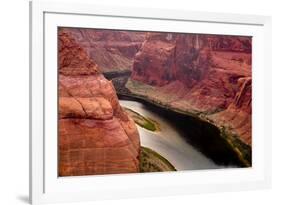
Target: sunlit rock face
{"x": 111, "y": 50}
{"x": 205, "y": 75}
{"x": 95, "y": 135}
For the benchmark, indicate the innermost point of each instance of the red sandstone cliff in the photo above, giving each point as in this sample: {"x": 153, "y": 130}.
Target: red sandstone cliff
{"x": 205, "y": 75}
{"x": 95, "y": 134}
{"x": 111, "y": 50}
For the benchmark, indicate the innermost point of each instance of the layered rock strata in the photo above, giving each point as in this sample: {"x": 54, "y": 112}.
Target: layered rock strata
{"x": 96, "y": 136}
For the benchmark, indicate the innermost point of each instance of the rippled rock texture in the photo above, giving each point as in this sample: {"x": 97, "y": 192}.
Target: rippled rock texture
{"x": 208, "y": 76}
{"x": 111, "y": 50}
{"x": 96, "y": 136}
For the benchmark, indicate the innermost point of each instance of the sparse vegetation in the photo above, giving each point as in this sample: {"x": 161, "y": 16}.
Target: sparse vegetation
{"x": 151, "y": 161}
{"x": 142, "y": 121}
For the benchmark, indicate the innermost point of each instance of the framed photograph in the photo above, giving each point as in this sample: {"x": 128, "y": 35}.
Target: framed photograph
{"x": 129, "y": 102}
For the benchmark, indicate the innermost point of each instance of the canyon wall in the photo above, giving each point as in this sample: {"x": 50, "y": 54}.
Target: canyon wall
{"x": 95, "y": 135}
{"x": 111, "y": 50}
{"x": 207, "y": 76}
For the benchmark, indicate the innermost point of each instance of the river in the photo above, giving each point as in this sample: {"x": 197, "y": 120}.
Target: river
{"x": 170, "y": 141}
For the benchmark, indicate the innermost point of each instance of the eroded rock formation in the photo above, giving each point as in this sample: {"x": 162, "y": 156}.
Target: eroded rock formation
{"x": 111, "y": 50}
{"x": 95, "y": 135}
{"x": 208, "y": 76}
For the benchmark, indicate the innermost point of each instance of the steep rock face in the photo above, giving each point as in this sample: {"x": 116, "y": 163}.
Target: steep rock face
{"x": 205, "y": 75}
{"x": 238, "y": 115}
{"x": 110, "y": 50}
{"x": 95, "y": 135}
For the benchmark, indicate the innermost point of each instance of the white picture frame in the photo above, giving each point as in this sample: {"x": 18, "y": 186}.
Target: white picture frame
{"x": 46, "y": 186}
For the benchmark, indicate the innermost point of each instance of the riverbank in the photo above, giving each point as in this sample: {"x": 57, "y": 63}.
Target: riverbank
{"x": 151, "y": 161}
{"x": 148, "y": 94}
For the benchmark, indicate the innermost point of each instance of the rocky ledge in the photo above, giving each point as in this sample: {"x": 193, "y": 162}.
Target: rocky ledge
{"x": 96, "y": 136}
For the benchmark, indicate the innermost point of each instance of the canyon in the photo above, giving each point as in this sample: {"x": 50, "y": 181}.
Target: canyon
{"x": 202, "y": 81}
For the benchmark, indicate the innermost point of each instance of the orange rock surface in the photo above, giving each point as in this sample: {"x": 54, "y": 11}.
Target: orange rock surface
{"x": 95, "y": 135}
